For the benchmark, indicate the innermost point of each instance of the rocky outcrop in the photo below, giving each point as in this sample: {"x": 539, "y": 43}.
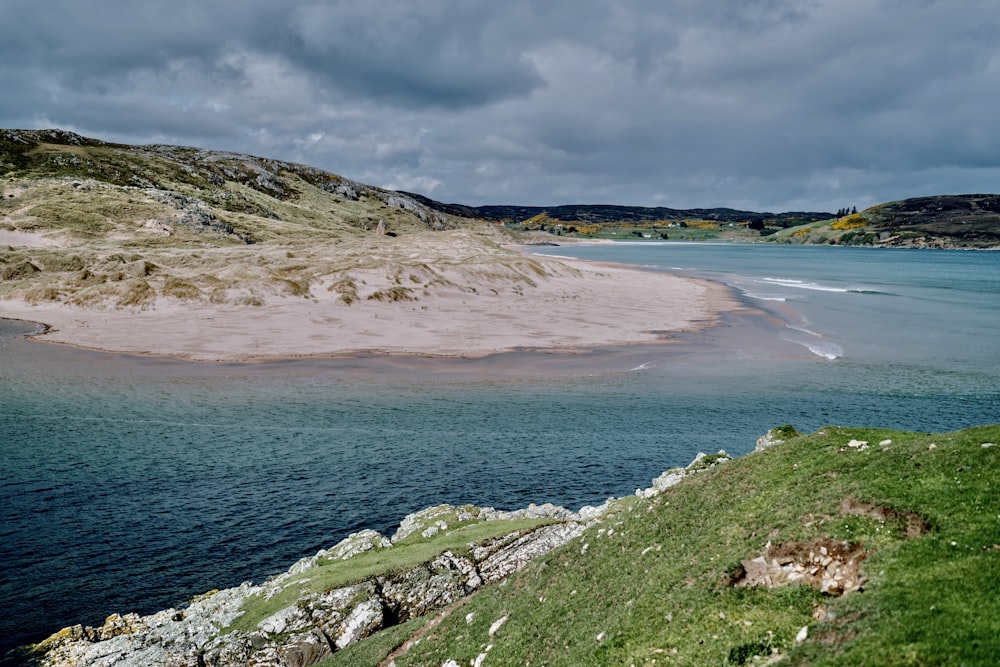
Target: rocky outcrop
{"x": 158, "y": 639}
{"x": 673, "y": 476}
{"x": 312, "y": 622}
{"x": 776, "y": 436}
{"x": 316, "y": 624}
{"x": 832, "y": 566}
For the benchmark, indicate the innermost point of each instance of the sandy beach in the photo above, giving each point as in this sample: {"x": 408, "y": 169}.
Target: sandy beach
{"x": 469, "y": 312}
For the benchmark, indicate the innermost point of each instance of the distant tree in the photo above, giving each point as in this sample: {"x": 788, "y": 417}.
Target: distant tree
{"x": 854, "y": 210}
{"x": 756, "y": 224}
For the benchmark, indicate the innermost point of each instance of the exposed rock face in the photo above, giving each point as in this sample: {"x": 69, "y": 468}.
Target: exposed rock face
{"x": 776, "y": 436}
{"x": 671, "y": 477}
{"x": 832, "y": 566}
{"x": 158, "y": 639}
{"x": 317, "y": 624}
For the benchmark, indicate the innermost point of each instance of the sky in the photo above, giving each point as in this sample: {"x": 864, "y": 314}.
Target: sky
{"x": 765, "y": 105}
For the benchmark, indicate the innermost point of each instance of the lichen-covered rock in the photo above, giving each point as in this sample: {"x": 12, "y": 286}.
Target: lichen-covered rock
{"x": 168, "y": 637}
{"x": 305, "y": 649}
{"x": 671, "y": 477}
{"x": 776, "y": 436}
{"x": 426, "y": 518}
{"x": 317, "y": 624}
{"x": 419, "y": 590}
{"x": 512, "y": 556}
{"x": 357, "y": 543}
{"x": 363, "y": 620}
{"x": 290, "y": 619}
{"x": 333, "y": 611}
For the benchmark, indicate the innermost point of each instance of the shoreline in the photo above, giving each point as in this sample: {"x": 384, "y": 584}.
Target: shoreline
{"x": 581, "y": 307}
{"x": 211, "y": 621}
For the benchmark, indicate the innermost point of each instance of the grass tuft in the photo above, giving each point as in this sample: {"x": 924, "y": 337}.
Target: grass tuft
{"x": 655, "y": 581}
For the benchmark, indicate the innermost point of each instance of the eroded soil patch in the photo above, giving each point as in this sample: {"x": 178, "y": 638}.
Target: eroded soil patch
{"x": 832, "y": 566}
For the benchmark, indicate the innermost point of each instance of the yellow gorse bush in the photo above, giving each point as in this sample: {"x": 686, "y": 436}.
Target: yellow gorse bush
{"x": 852, "y": 221}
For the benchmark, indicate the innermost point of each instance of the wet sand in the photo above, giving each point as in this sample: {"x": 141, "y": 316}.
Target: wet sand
{"x": 738, "y": 334}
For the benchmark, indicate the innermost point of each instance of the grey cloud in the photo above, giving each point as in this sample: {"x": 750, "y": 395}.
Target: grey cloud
{"x": 439, "y": 54}
{"x": 817, "y": 103}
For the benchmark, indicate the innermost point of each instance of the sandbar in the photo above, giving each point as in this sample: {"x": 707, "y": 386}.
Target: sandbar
{"x": 576, "y": 306}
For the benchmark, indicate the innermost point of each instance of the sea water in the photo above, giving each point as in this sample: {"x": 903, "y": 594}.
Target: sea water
{"x": 134, "y": 483}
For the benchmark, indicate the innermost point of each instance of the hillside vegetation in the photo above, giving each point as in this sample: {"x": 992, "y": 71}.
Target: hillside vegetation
{"x": 946, "y": 221}
{"x": 631, "y": 222}
{"x": 91, "y": 223}
{"x": 849, "y": 546}
{"x": 845, "y": 547}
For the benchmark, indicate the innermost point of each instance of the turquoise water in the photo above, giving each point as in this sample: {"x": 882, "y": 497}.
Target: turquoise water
{"x": 934, "y": 309}
{"x": 132, "y": 484}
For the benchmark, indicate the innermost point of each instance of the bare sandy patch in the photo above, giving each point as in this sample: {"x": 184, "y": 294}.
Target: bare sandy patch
{"x": 462, "y": 310}
{"x": 20, "y": 239}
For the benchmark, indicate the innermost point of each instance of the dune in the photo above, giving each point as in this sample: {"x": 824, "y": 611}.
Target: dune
{"x": 420, "y": 306}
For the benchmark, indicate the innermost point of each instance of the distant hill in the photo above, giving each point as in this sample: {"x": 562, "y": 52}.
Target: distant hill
{"x": 60, "y": 183}
{"x": 606, "y": 214}
{"x": 944, "y": 221}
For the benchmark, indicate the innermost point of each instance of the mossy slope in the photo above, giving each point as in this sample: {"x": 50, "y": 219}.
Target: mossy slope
{"x": 654, "y": 584}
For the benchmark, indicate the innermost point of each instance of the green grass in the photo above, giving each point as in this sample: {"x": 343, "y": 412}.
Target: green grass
{"x": 658, "y": 588}
{"x": 375, "y": 649}
{"x": 410, "y": 552}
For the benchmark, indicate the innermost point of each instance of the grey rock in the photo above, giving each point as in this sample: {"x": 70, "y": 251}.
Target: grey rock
{"x": 317, "y": 624}
{"x": 424, "y": 519}
{"x": 357, "y": 543}
{"x": 363, "y": 620}
{"x": 510, "y": 557}
{"x": 305, "y": 649}
{"x": 290, "y": 619}
{"x": 673, "y": 476}
{"x": 425, "y": 588}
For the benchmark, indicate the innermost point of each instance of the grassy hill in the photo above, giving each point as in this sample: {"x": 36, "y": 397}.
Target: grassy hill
{"x": 91, "y": 223}
{"x": 946, "y": 221}
{"x": 251, "y": 199}
{"x": 849, "y": 546}
{"x": 845, "y": 547}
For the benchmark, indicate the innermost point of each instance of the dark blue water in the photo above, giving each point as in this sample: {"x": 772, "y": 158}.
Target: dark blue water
{"x": 132, "y": 484}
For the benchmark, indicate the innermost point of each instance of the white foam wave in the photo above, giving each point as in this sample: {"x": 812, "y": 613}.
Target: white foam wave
{"x": 641, "y": 367}
{"x": 764, "y": 297}
{"x": 825, "y": 349}
{"x": 804, "y": 330}
{"x": 542, "y": 254}
{"x": 813, "y": 342}
{"x": 799, "y": 284}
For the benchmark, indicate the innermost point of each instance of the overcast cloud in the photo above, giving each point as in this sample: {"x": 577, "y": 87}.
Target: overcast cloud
{"x": 757, "y": 104}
